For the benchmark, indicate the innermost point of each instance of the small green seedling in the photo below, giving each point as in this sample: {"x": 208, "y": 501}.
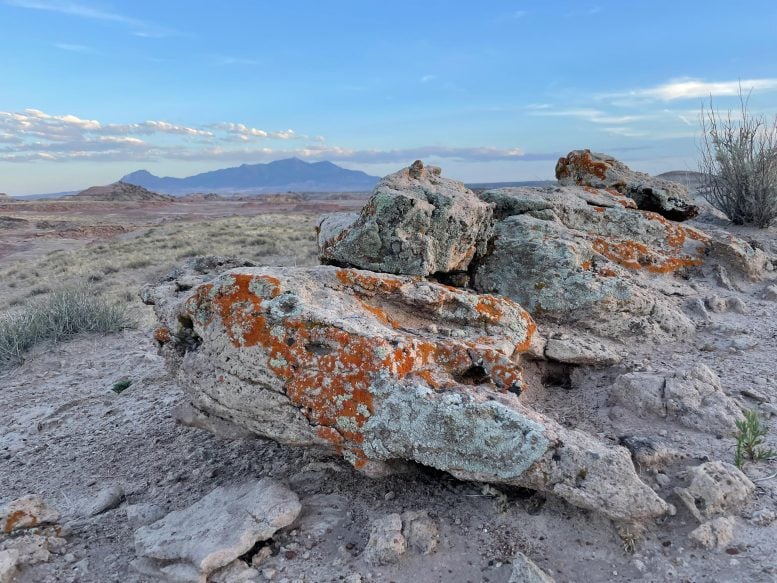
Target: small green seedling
{"x": 750, "y": 440}
{"x": 121, "y": 386}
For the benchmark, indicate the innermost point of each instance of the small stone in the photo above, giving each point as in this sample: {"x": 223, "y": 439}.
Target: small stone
{"x": 269, "y": 574}
{"x": 663, "y": 480}
{"x": 736, "y": 305}
{"x": 106, "y": 499}
{"x": 70, "y": 558}
{"x": 716, "y": 304}
{"x": 770, "y": 293}
{"x": 716, "y": 488}
{"x": 639, "y": 565}
{"x": 754, "y": 395}
{"x": 420, "y": 531}
{"x": 714, "y": 534}
{"x": 389, "y": 496}
{"x": 763, "y": 517}
{"x": 525, "y": 571}
{"x": 386, "y": 542}
{"x": 261, "y": 556}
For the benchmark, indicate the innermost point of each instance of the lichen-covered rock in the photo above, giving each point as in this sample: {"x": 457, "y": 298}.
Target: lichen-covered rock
{"x": 580, "y": 349}
{"x": 563, "y": 257}
{"x": 415, "y": 223}
{"x": 716, "y": 489}
{"x": 26, "y": 512}
{"x": 189, "y": 544}
{"x": 586, "y": 168}
{"x": 692, "y": 397}
{"x": 379, "y": 368}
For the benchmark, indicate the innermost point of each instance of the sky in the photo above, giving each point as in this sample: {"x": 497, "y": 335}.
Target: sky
{"x": 91, "y": 90}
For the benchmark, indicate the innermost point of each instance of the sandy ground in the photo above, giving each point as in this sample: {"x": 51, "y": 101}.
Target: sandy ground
{"x": 65, "y": 435}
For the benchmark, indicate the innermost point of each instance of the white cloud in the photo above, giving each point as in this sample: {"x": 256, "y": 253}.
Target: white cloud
{"x": 33, "y": 135}
{"x": 591, "y": 115}
{"x": 138, "y": 27}
{"x": 698, "y": 88}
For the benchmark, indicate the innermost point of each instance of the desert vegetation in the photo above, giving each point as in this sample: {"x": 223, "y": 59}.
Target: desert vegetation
{"x": 739, "y": 164}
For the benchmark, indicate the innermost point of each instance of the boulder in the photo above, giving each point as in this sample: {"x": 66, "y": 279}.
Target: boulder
{"x": 716, "y": 489}
{"x": 586, "y": 168}
{"x": 415, "y": 223}
{"x": 26, "y": 512}
{"x": 189, "y": 544}
{"x": 379, "y": 368}
{"x": 599, "y": 266}
{"x": 693, "y": 397}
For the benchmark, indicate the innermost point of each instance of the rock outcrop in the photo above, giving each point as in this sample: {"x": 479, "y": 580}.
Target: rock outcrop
{"x": 585, "y": 256}
{"x": 415, "y": 223}
{"x": 586, "y": 168}
{"x": 380, "y": 367}
{"x": 715, "y": 489}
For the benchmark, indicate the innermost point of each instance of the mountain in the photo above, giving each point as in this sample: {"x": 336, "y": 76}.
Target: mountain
{"x": 689, "y": 178}
{"x": 279, "y": 176}
{"x": 119, "y": 191}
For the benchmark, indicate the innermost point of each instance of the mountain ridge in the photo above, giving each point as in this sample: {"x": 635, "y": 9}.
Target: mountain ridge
{"x": 280, "y": 175}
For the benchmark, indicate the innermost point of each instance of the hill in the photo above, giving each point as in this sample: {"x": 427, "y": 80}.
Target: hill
{"x": 688, "y": 178}
{"x": 119, "y": 191}
{"x": 279, "y": 176}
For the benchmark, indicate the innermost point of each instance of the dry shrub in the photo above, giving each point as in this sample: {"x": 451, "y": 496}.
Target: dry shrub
{"x": 739, "y": 164}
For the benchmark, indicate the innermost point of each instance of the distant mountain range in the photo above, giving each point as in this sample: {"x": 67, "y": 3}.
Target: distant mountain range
{"x": 291, "y": 174}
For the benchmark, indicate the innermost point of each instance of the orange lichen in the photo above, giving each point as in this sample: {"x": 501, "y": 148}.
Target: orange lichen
{"x": 328, "y": 372}
{"x": 17, "y": 517}
{"x": 581, "y": 163}
{"x": 586, "y": 265}
{"x": 162, "y": 335}
{"x": 634, "y": 255}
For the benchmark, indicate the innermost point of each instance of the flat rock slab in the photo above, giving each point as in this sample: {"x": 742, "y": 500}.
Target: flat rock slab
{"x": 216, "y": 530}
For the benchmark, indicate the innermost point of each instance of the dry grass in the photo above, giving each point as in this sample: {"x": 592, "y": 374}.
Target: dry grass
{"x": 116, "y": 268}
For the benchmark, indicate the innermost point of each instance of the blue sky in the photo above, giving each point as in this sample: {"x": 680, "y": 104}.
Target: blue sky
{"x": 93, "y": 89}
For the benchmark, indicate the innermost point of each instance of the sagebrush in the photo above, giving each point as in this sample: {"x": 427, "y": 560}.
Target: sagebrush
{"x": 61, "y": 314}
{"x": 750, "y": 438}
{"x": 739, "y": 164}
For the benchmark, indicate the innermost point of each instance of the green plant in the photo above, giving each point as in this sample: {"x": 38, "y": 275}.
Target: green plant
{"x": 739, "y": 164}
{"x": 750, "y": 440}
{"x": 120, "y": 386}
{"x": 61, "y": 314}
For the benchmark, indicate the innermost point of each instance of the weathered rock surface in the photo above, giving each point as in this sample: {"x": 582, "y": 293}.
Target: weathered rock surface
{"x": 525, "y": 571}
{"x": 27, "y": 512}
{"x": 420, "y": 531}
{"x": 586, "y": 168}
{"x": 106, "y": 499}
{"x": 189, "y": 544}
{"x": 693, "y": 397}
{"x": 387, "y": 543}
{"x": 716, "y": 489}
{"x": 9, "y": 561}
{"x": 600, "y": 266}
{"x": 714, "y": 534}
{"x": 581, "y": 350}
{"x": 378, "y": 368}
{"x": 416, "y": 223}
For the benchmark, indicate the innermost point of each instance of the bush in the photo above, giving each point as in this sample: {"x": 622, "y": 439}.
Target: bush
{"x": 62, "y": 314}
{"x": 739, "y": 165}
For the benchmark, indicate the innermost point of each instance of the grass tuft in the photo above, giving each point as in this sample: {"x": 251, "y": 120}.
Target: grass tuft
{"x": 750, "y": 440}
{"x": 62, "y": 314}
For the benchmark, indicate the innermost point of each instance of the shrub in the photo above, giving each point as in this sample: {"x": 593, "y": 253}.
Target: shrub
{"x": 739, "y": 165}
{"x": 62, "y": 314}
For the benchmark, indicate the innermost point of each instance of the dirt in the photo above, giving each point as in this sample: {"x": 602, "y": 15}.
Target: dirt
{"x": 66, "y": 435}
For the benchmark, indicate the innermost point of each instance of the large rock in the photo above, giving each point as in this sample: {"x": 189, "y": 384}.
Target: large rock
{"x": 415, "y": 223}
{"x": 586, "y": 168}
{"x": 378, "y": 368}
{"x": 582, "y": 256}
{"x": 188, "y": 544}
{"x": 693, "y": 397}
